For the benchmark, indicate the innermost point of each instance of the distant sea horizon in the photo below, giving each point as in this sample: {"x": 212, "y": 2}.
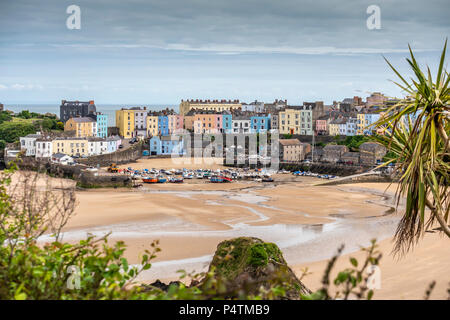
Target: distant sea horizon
{"x": 108, "y": 109}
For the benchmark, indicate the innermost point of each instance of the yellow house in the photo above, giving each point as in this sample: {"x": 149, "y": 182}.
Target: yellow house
{"x": 152, "y": 125}
{"x": 125, "y": 123}
{"x": 209, "y": 105}
{"x": 71, "y": 146}
{"x": 360, "y": 124}
{"x": 83, "y": 126}
{"x": 333, "y": 129}
{"x": 289, "y": 121}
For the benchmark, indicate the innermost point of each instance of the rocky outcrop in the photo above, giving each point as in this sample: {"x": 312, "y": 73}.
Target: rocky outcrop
{"x": 242, "y": 267}
{"x": 251, "y": 264}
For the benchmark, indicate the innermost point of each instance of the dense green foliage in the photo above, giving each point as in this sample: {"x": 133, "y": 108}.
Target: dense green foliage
{"x": 353, "y": 142}
{"x": 26, "y": 114}
{"x": 26, "y": 122}
{"x": 11, "y": 131}
{"x": 5, "y": 116}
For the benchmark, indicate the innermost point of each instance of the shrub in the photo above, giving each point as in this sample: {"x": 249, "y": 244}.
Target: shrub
{"x": 11, "y": 132}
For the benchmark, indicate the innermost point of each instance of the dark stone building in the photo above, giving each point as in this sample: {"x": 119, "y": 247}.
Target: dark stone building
{"x": 350, "y": 157}
{"x": 371, "y": 153}
{"x": 333, "y": 153}
{"x": 71, "y": 109}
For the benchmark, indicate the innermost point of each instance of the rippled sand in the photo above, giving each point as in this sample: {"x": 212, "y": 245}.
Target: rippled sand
{"x": 307, "y": 222}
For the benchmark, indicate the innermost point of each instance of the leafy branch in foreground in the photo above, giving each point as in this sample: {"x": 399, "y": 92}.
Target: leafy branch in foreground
{"x": 30, "y": 209}
{"x": 352, "y": 282}
{"x": 416, "y": 131}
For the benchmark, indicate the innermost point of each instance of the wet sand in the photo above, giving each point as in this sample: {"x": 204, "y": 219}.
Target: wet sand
{"x": 307, "y": 222}
{"x": 191, "y": 219}
{"x": 402, "y": 277}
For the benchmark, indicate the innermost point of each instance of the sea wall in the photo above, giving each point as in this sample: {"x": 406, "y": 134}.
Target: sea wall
{"x": 321, "y": 168}
{"x": 361, "y": 179}
{"x": 324, "y": 168}
{"x": 127, "y": 155}
{"x": 84, "y": 178}
{"x": 89, "y": 180}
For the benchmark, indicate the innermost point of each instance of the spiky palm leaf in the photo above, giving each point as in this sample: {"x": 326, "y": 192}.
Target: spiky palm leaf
{"x": 417, "y": 134}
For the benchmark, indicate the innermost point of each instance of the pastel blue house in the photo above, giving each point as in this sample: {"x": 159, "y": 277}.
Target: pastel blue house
{"x": 163, "y": 125}
{"x": 370, "y": 118}
{"x": 155, "y": 145}
{"x": 260, "y": 123}
{"x": 167, "y": 145}
{"x": 226, "y": 123}
{"x": 102, "y": 125}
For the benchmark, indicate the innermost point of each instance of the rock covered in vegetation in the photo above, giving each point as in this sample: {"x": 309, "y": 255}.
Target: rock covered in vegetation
{"x": 251, "y": 264}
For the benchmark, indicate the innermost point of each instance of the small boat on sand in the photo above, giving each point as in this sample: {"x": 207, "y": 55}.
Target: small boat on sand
{"x": 176, "y": 180}
{"x": 225, "y": 179}
{"x": 150, "y": 180}
{"x": 161, "y": 180}
{"x": 216, "y": 180}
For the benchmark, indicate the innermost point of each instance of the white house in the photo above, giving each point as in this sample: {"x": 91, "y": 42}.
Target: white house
{"x": 343, "y": 127}
{"x": 140, "y": 121}
{"x": 28, "y": 144}
{"x": 97, "y": 146}
{"x": 113, "y": 143}
{"x": 44, "y": 148}
{"x": 62, "y": 158}
{"x": 241, "y": 124}
{"x": 255, "y": 106}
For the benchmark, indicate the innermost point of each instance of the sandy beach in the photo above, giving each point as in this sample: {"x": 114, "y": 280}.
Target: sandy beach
{"x": 307, "y": 222}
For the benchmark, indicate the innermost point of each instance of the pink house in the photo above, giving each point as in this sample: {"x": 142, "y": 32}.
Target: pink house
{"x": 321, "y": 126}
{"x": 219, "y": 123}
{"x": 175, "y": 123}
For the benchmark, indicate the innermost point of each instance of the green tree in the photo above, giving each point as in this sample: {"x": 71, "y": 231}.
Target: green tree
{"x": 5, "y": 116}
{"x": 24, "y": 114}
{"x": 60, "y": 125}
{"x": 417, "y": 134}
{"x": 354, "y": 142}
{"x": 10, "y": 132}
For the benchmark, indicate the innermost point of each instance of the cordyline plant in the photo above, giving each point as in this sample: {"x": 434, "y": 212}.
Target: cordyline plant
{"x": 417, "y": 136}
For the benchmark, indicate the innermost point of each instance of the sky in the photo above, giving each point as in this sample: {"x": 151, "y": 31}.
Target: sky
{"x": 162, "y": 51}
